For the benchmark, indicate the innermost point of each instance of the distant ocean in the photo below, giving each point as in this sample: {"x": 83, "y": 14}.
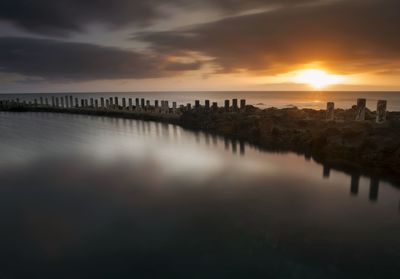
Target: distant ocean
{"x": 280, "y": 99}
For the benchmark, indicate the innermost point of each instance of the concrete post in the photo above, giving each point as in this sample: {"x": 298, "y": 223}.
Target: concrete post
{"x": 76, "y": 103}
{"x": 71, "y": 101}
{"x": 86, "y": 103}
{"x": 156, "y": 106}
{"x": 57, "y": 102}
{"x": 67, "y": 101}
{"x": 207, "y": 104}
{"x": 116, "y": 103}
{"x": 46, "y": 101}
{"x": 234, "y": 104}
{"x": 166, "y": 107}
{"x": 330, "y": 111}
{"x": 242, "y": 104}
{"x": 162, "y": 109}
{"x": 111, "y": 103}
{"x": 227, "y": 105}
{"x": 381, "y": 111}
{"x": 360, "y": 112}
{"x": 214, "y": 106}
{"x": 107, "y": 104}
{"x": 124, "y": 103}
{"x": 142, "y": 103}
{"x": 174, "y": 111}
{"x": 189, "y": 106}
{"x": 91, "y": 103}
{"x": 53, "y": 103}
{"x": 196, "y": 104}
{"x": 148, "y": 104}
{"x": 82, "y": 103}
{"x": 137, "y": 104}
{"x": 102, "y": 102}
{"x": 130, "y": 104}
{"x": 96, "y": 104}
{"x": 61, "y": 100}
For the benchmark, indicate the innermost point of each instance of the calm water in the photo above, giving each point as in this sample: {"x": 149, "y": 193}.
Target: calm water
{"x": 92, "y": 197}
{"x": 309, "y": 99}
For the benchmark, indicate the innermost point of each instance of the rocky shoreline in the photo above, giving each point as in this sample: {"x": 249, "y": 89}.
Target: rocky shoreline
{"x": 352, "y": 146}
{"x": 361, "y": 147}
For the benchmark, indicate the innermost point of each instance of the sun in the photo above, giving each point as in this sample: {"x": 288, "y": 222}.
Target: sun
{"x": 316, "y": 78}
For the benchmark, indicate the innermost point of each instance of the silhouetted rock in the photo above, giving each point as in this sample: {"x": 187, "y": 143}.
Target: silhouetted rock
{"x": 351, "y": 144}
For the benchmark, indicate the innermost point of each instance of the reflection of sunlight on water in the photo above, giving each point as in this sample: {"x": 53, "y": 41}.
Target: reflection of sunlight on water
{"x": 174, "y": 151}
{"x": 189, "y": 162}
{"x": 191, "y": 157}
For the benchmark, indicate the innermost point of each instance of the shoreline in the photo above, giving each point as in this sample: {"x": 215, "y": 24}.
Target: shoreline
{"x": 354, "y": 147}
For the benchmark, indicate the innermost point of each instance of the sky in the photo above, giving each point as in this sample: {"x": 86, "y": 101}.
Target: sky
{"x": 191, "y": 45}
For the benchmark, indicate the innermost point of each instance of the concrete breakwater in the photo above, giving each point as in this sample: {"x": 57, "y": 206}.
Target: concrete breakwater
{"x": 354, "y": 139}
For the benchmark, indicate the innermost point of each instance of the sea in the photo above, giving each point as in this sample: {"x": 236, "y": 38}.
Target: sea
{"x": 100, "y": 197}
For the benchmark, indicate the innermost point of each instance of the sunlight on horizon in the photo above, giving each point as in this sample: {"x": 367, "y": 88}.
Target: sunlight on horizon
{"x": 316, "y": 78}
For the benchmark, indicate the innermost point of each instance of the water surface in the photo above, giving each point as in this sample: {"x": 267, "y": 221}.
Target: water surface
{"x": 93, "y": 197}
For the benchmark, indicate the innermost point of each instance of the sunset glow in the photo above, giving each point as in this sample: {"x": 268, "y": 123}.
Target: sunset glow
{"x": 211, "y": 45}
{"x": 317, "y": 79}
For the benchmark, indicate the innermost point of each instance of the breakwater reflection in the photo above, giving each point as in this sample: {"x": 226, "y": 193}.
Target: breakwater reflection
{"x": 97, "y": 197}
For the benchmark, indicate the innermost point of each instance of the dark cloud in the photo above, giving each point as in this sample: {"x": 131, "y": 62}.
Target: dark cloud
{"x": 58, "y": 60}
{"x": 175, "y": 66}
{"x": 348, "y": 36}
{"x": 64, "y": 16}
{"x": 343, "y": 35}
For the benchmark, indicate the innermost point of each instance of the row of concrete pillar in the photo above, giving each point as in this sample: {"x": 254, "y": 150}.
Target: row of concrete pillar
{"x": 142, "y": 105}
{"x": 381, "y": 109}
{"x": 113, "y": 103}
{"x": 227, "y": 105}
